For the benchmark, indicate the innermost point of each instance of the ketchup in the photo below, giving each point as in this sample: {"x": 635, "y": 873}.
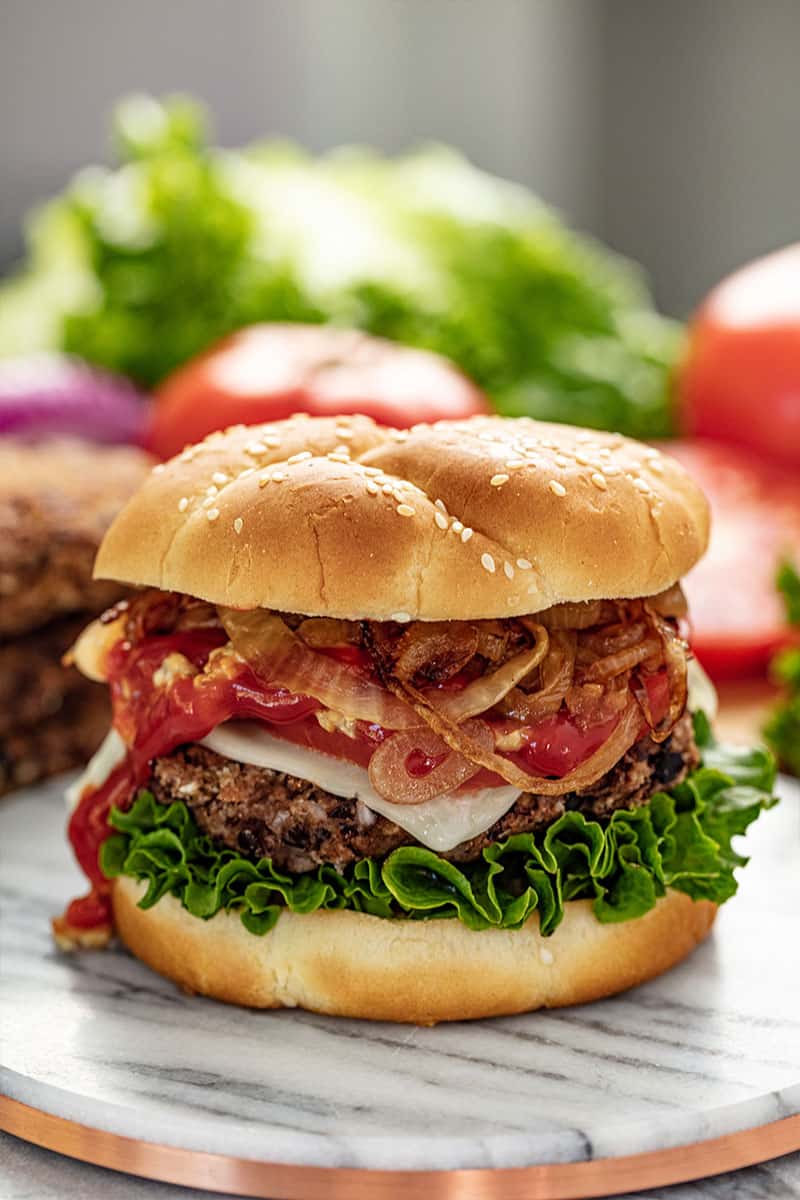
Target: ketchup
{"x": 418, "y": 764}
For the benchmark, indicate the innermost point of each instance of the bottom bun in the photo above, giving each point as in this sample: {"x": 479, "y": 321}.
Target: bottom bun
{"x": 354, "y": 965}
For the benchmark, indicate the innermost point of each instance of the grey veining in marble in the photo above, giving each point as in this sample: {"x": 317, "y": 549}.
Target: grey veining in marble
{"x": 710, "y": 1048}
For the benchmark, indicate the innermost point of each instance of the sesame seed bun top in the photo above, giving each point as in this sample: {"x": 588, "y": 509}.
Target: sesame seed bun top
{"x": 485, "y": 517}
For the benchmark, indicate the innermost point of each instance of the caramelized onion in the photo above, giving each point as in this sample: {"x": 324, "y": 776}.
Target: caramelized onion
{"x": 581, "y": 614}
{"x": 327, "y": 631}
{"x": 436, "y": 649}
{"x": 586, "y": 773}
{"x": 391, "y": 778}
{"x": 279, "y": 657}
{"x": 487, "y": 691}
{"x": 556, "y": 671}
{"x": 674, "y": 651}
{"x": 622, "y": 660}
{"x": 671, "y": 603}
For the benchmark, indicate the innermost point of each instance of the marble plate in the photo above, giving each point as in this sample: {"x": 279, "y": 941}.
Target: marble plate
{"x": 711, "y": 1048}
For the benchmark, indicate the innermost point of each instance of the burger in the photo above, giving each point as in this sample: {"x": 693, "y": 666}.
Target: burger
{"x": 402, "y": 722}
{"x": 57, "y": 498}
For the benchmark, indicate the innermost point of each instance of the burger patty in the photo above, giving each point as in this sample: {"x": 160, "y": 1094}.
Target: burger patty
{"x": 266, "y": 814}
{"x": 34, "y": 684}
{"x": 56, "y": 742}
{"x": 57, "y": 498}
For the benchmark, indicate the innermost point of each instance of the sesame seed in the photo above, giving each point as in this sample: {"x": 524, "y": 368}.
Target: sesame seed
{"x": 278, "y": 477}
{"x": 387, "y": 489}
{"x": 400, "y": 435}
{"x": 209, "y": 500}
{"x": 247, "y": 471}
{"x": 457, "y": 527}
{"x": 401, "y": 616}
{"x": 264, "y": 480}
{"x": 583, "y": 458}
{"x": 219, "y": 477}
{"x": 524, "y": 564}
{"x": 557, "y": 488}
{"x": 499, "y": 480}
{"x": 487, "y": 562}
{"x": 212, "y": 514}
{"x": 513, "y": 464}
{"x": 466, "y": 534}
{"x": 159, "y": 468}
{"x": 212, "y": 490}
{"x": 271, "y": 441}
{"x": 641, "y": 485}
{"x": 599, "y": 481}
{"x": 301, "y": 457}
{"x": 405, "y": 510}
{"x": 256, "y": 448}
{"x": 183, "y": 504}
{"x": 656, "y": 466}
{"x": 337, "y": 457}
{"x": 611, "y": 469}
{"x": 238, "y": 525}
{"x": 372, "y": 471}
{"x": 440, "y": 504}
{"x": 344, "y": 433}
{"x": 509, "y": 570}
{"x": 561, "y": 461}
{"x": 440, "y": 519}
{"x": 372, "y": 487}
{"x": 342, "y": 450}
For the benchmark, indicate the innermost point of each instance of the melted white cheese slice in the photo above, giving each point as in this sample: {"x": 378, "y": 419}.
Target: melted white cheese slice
{"x": 440, "y": 824}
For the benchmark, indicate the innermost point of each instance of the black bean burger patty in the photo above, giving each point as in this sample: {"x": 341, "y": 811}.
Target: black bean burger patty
{"x": 263, "y": 813}
{"x": 57, "y": 498}
{"x": 57, "y": 742}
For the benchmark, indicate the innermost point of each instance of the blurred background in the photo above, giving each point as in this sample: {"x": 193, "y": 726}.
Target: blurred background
{"x": 662, "y": 139}
{"x": 668, "y": 130}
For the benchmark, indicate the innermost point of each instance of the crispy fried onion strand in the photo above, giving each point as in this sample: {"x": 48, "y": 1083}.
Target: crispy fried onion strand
{"x": 586, "y": 773}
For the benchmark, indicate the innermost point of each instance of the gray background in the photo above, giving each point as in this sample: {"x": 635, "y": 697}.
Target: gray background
{"x": 670, "y": 128}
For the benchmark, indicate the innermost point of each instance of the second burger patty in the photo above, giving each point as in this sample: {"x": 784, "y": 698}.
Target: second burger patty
{"x": 266, "y": 814}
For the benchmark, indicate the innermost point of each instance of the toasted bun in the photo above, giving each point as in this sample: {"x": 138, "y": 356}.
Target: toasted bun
{"x": 354, "y": 965}
{"x": 459, "y": 520}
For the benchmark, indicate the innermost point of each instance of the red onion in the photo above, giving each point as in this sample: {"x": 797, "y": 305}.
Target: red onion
{"x": 51, "y": 394}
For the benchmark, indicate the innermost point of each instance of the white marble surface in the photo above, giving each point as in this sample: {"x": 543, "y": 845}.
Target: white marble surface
{"x": 711, "y": 1048}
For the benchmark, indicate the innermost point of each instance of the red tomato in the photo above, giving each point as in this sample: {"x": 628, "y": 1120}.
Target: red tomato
{"x": 268, "y": 372}
{"x": 741, "y": 380}
{"x": 736, "y": 614}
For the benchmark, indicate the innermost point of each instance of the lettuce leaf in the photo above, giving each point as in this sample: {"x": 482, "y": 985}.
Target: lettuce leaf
{"x": 140, "y": 267}
{"x": 681, "y": 839}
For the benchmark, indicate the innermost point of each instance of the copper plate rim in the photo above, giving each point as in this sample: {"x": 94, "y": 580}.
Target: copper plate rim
{"x": 283, "y": 1181}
